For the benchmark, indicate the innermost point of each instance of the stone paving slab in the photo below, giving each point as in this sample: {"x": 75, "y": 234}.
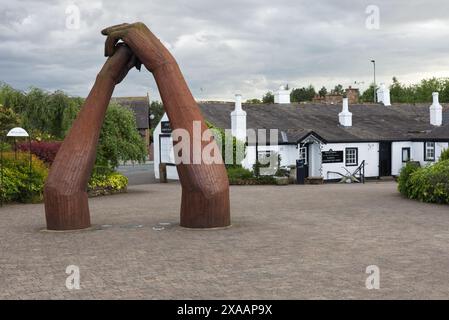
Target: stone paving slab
{"x": 286, "y": 242}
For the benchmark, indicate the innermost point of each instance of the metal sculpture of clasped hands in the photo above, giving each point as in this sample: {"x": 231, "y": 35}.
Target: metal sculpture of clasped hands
{"x": 205, "y": 186}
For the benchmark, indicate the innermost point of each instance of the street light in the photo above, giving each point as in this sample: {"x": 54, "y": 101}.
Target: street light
{"x": 374, "y": 89}
{"x": 15, "y": 133}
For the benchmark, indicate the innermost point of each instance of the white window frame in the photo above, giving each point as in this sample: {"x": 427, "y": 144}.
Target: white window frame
{"x": 407, "y": 150}
{"x": 302, "y": 150}
{"x": 429, "y": 149}
{"x": 351, "y": 160}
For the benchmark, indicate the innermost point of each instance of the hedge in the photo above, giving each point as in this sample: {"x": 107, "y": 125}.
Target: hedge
{"x": 427, "y": 184}
{"x": 44, "y": 150}
{"x": 18, "y": 184}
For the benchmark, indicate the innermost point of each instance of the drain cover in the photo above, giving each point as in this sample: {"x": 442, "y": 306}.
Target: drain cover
{"x": 132, "y": 226}
{"x": 164, "y": 223}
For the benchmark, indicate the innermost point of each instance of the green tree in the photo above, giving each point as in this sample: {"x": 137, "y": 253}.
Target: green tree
{"x": 338, "y": 89}
{"x": 253, "y": 101}
{"x": 303, "y": 94}
{"x": 322, "y": 92}
{"x": 40, "y": 111}
{"x": 12, "y": 98}
{"x": 156, "y": 109}
{"x": 368, "y": 94}
{"x": 119, "y": 139}
{"x": 268, "y": 97}
{"x": 8, "y": 120}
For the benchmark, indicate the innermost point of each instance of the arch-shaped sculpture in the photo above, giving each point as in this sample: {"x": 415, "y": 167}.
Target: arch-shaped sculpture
{"x": 205, "y": 187}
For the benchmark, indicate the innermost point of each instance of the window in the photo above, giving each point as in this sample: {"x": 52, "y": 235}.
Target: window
{"x": 429, "y": 151}
{"x": 303, "y": 153}
{"x": 166, "y": 150}
{"x": 405, "y": 154}
{"x": 351, "y": 155}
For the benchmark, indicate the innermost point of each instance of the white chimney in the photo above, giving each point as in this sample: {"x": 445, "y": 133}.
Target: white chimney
{"x": 282, "y": 96}
{"x": 436, "y": 111}
{"x": 383, "y": 95}
{"x": 238, "y": 120}
{"x": 345, "y": 117}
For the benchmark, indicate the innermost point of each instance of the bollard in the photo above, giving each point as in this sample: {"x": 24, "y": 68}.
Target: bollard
{"x": 162, "y": 172}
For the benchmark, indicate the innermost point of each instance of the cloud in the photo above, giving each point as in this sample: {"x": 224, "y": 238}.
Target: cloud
{"x": 227, "y": 46}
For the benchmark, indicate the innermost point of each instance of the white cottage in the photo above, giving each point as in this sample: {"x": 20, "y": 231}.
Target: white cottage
{"x": 331, "y": 139}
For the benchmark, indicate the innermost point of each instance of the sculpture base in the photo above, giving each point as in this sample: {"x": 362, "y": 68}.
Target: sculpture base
{"x": 200, "y": 212}
{"x": 66, "y": 212}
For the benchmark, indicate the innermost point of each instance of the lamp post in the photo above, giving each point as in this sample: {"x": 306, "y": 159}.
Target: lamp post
{"x": 374, "y": 89}
{"x": 16, "y": 133}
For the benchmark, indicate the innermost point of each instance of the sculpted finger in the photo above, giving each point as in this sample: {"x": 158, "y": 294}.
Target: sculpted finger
{"x": 108, "y": 30}
{"x": 111, "y": 43}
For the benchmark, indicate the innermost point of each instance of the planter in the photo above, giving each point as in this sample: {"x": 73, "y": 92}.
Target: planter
{"x": 314, "y": 180}
{"x": 282, "y": 181}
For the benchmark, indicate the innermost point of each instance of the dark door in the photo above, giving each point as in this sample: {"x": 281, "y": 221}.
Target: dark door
{"x": 385, "y": 159}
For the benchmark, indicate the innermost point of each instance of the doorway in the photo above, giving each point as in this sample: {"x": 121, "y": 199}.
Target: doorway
{"x": 384, "y": 159}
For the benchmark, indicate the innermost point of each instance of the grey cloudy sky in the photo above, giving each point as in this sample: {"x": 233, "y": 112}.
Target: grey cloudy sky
{"x": 227, "y": 46}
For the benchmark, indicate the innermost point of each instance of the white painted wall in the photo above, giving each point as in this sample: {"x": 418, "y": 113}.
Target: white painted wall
{"x": 172, "y": 173}
{"x": 416, "y": 152}
{"x": 366, "y": 151}
{"x": 396, "y": 155}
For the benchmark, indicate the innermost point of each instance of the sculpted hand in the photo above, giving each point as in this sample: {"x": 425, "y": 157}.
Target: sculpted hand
{"x": 144, "y": 44}
{"x": 117, "y": 66}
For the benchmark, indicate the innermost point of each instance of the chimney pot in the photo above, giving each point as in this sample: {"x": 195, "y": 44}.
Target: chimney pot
{"x": 345, "y": 117}
{"x": 436, "y": 111}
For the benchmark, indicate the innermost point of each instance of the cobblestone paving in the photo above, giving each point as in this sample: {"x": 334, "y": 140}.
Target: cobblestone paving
{"x": 292, "y": 242}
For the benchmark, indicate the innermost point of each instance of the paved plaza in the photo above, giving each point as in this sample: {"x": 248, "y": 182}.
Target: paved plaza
{"x": 286, "y": 242}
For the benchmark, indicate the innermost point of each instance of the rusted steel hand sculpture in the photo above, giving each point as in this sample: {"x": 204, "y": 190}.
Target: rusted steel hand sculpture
{"x": 66, "y": 206}
{"x": 205, "y": 187}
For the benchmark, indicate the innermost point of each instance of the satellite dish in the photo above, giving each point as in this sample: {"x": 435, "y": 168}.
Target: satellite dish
{"x": 17, "y": 132}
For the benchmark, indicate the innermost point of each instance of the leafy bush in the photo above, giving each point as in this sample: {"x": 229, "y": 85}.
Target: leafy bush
{"x": 427, "y": 184}
{"x": 444, "y": 155}
{"x": 223, "y": 140}
{"x": 240, "y": 175}
{"x": 235, "y": 173}
{"x": 18, "y": 183}
{"x": 430, "y": 183}
{"x": 105, "y": 182}
{"x": 404, "y": 177}
{"x": 46, "y": 151}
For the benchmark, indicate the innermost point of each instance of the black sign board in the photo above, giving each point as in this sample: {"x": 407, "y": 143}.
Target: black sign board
{"x": 332, "y": 156}
{"x": 165, "y": 127}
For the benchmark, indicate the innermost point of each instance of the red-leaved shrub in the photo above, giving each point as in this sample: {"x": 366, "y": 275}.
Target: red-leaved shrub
{"x": 44, "y": 150}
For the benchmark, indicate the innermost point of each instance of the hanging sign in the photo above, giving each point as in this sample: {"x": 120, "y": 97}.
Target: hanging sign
{"x": 332, "y": 156}
{"x": 165, "y": 127}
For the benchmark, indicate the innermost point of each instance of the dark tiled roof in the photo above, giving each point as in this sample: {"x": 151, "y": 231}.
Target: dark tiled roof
{"x": 140, "y": 107}
{"x": 370, "y": 122}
